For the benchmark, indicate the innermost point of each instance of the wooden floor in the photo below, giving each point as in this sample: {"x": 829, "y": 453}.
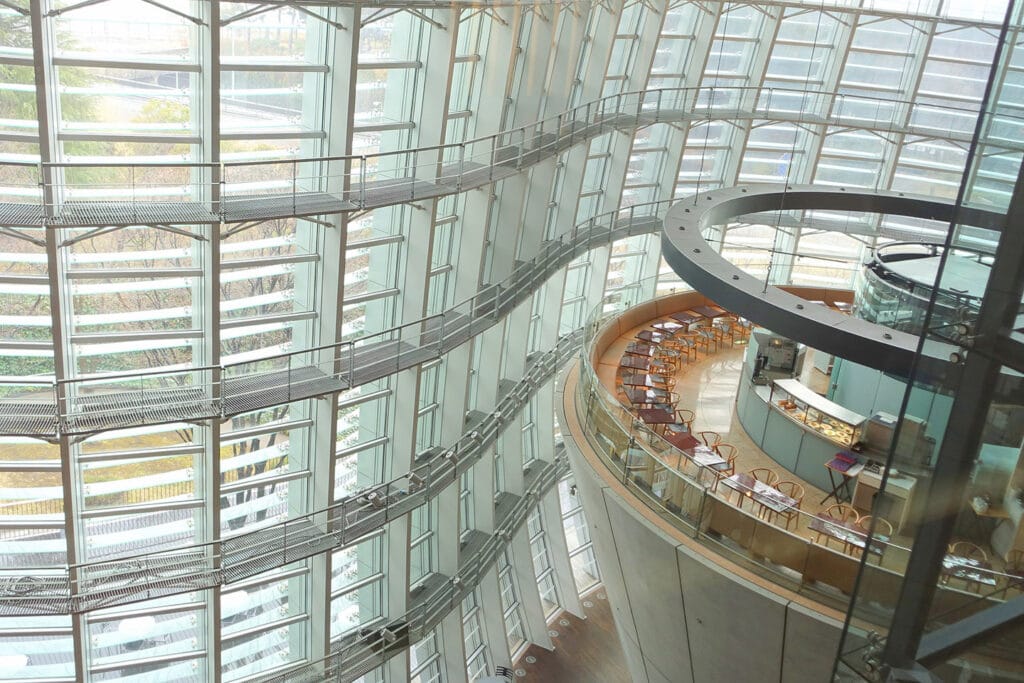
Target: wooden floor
{"x": 586, "y": 650}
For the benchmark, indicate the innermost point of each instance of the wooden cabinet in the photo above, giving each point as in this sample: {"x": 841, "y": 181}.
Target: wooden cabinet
{"x": 894, "y": 507}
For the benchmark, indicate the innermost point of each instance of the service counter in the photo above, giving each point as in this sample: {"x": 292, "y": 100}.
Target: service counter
{"x": 786, "y": 437}
{"x": 800, "y": 429}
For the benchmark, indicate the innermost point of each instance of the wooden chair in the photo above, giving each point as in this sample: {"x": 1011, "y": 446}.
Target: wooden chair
{"x": 765, "y": 475}
{"x": 761, "y": 474}
{"x": 706, "y": 337}
{"x": 701, "y": 340}
{"x": 744, "y": 327}
{"x": 728, "y": 329}
{"x": 727, "y": 451}
{"x": 710, "y": 439}
{"x": 687, "y": 416}
{"x": 794, "y": 491}
{"x": 1015, "y": 571}
{"x": 664, "y": 365}
{"x": 882, "y": 528}
{"x": 668, "y": 384}
{"x": 685, "y": 423}
{"x": 688, "y": 345}
{"x": 725, "y": 471}
{"x": 968, "y": 551}
{"x": 843, "y": 513}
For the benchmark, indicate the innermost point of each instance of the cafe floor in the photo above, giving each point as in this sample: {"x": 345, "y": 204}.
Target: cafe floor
{"x": 708, "y": 387}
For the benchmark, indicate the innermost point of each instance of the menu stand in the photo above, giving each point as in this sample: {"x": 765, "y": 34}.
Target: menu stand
{"x": 848, "y": 467}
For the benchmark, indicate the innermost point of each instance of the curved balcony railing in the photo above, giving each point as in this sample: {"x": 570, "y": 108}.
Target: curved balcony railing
{"x": 899, "y": 300}
{"x": 103, "y": 194}
{"x": 93, "y": 585}
{"x": 683, "y": 492}
{"x": 98, "y": 404}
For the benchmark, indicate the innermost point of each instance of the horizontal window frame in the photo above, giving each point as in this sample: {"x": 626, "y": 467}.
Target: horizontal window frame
{"x": 260, "y": 480}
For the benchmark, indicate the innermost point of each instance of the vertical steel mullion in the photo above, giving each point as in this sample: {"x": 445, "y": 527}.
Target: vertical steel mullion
{"x": 210, "y": 177}
{"x": 47, "y": 117}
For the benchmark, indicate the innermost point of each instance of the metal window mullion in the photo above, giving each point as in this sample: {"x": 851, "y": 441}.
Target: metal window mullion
{"x": 239, "y": 435}
{"x": 357, "y": 585}
{"x": 47, "y": 104}
{"x": 901, "y": 118}
{"x": 209, "y": 129}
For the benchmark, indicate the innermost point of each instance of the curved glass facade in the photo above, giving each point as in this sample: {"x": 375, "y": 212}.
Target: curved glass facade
{"x": 284, "y": 286}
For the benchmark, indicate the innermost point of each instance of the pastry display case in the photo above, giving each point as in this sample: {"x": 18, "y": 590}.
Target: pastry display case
{"x": 830, "y": 420}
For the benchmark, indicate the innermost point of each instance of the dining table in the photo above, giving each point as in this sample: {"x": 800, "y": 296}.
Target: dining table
{"x": 968, "y": 569}
{"x": 647, "y": 396}
{"x": 642, "y": 379}
{"x": 684, "y": 441}
{"x": 686, "y": 317}
{"x": 638, "y": 349}
{"x": 650, "y": 336}
{"x": 707, "y": 457}
{"x": 657, "y": 417}
{"x": 745, "y": 484}
{"x": 635, "y": 362}
{"x": 711, "y": 312}
{"x": 850, "y": 533}
{"x": 668, "y": 327}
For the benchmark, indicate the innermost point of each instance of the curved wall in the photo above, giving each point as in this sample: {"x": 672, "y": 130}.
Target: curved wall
{"x": 682, "y": 612}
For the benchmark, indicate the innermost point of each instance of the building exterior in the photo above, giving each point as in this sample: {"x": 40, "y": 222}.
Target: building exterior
{"x": 286, "y": 286}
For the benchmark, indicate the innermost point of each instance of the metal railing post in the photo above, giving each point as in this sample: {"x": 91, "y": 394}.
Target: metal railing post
{"x": 135, "y": 208}
{"x": 522, "y": 148}
{"x": 462, "y": 166}
{"x": 494, "y": 156}
{"x": 362, "y": 182}
{"x": 221, "y": 199}
{"x": 351, "y": 364}
{"x": 295, "y": 182}
{"x": 412, "y": 176}
{"x": 56, "y": 409}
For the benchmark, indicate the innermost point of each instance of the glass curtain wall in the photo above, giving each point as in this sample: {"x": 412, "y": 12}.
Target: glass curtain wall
{"x": 958, "y": 632}
{"x": 184, "y": 101}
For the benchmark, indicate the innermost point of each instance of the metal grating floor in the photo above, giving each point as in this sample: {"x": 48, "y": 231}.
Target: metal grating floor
{"x": 99, "y": 413}
{"x": 21, "y": 215}
{"x": 386, "y": 192}
{"x": 34, "y": 595}
{"x": 456, "y": 331}
{"x": 22, "y": 418}
{"x": 143, "y": 579}
{"x": 132, "y": 213}
{"x": 276, "y": 546}
{"x": 259, "y": 207}
{"x": 252, "y": 392}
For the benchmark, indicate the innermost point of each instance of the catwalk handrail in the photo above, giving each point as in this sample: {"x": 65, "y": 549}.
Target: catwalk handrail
{"x": 98, "y": 584}
{"x": 395, "y": 176}
{"x": 356, "y": 653}
{"x": 345, "y": 362}
{"x": 359, "y": 514}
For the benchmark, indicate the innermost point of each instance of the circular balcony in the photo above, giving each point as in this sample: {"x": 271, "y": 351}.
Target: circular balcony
{"x": 693, "y": 547}
{"x": 895, "y": 286}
